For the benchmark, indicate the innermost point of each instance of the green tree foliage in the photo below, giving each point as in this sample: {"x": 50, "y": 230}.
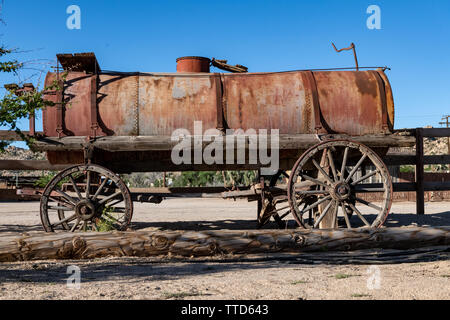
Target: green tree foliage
{"x": 17, "y": 104}
{"x": 209, "y": 178}
{"x": 8, "y": 66}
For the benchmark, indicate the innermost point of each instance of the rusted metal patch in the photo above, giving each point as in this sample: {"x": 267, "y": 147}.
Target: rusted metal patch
{"x": 265, "y": 101}
{"x": 174, "y": 102}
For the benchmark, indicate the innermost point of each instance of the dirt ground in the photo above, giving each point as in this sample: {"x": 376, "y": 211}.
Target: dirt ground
{"x": 151, "y": 278}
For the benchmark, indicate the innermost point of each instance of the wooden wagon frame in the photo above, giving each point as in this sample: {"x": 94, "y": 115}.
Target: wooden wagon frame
{"x": 327, "y": 191}
{"x": 323, "y": 177}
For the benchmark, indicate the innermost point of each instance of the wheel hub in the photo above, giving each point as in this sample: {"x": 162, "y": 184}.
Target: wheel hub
{"x": 341, "y": 191}
{"x": 85, "y": 210}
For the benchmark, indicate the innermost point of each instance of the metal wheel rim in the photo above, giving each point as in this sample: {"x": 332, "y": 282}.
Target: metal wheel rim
{"x": 110, "y": 180}
{"x": 371, "y": 155}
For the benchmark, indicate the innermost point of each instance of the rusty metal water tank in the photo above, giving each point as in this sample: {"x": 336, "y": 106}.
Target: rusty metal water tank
{"x": 193, "y": 64}
{"x": 156, "y": 104}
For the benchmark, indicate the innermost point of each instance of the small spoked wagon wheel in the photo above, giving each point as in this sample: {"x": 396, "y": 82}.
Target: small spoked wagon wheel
{"x": 326, "y": 183}
{"x": 275, "y": 204}
{"x": 86, "y": 198}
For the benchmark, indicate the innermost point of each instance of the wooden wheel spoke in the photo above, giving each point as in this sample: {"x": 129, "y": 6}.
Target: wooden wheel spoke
{"x": 284, "y": 215}
{"x": 68, "y": 219}
{"x": 108, "y": 198}
{"x": 367, "y": 176}
{"x": 324, "y": 213}
{"x": 359, "y": 214}
{"x": 314, "y": 205}
{"x": 318, "y": 182}
{"x": 88, "y": 183}
{"x": 117, "y": 210}
{"x": 62, "y": 208}
{"x": 368, "y": 188}
{"x": 62, "y": 202}
{"x": 117, "y": 202}
{"x": 71, "y": 200}
{"x": 278, "y": 210}
{"x": 75, "y": 225}
{"x": 99, "y": 190}
{"x": 347, "y": 220}
{"x": 332, "y": 165}
{"x": 75, "y": 187}
{"x": 285, "y": 174}
{"x": 355, "y": 168}
{"x": 367, "y": 203}
{"x": 322, "y": 171}
{"x": 112, "y": 218}
{"x": 313, "y": 192}
{"x": 344, "y": 164}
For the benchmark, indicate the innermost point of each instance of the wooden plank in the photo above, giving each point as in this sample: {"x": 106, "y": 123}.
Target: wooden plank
{"x": 89, "y": 245}
{"x": 405, "y": 159}
{"x": 6, "y": 135}
{"x": 143, "y": 194}
{"x": 427, "y": 186}
{"x": 436, "y": 186}
{"x": 164, "y": 143}
{"x": 30, "y": 165}
{"x": 436, "y": 132}
{"x": 399, "y": 159}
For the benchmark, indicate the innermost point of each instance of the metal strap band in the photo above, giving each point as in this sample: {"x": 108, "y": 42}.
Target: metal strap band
{"x": 312, "y": 85}
{"x": 59, "y": 108}
{"x": 384, "y": 111}
{"x": 219, "y": 102}
{"x": 93, "y": 106}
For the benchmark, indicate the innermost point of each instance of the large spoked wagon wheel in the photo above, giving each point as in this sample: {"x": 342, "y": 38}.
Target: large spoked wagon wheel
{"x": 326, "y": 183}
{"x": 86, "y": 198}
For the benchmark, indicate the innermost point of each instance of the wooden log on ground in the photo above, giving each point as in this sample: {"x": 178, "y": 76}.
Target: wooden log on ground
{"x": 65, "y": 245}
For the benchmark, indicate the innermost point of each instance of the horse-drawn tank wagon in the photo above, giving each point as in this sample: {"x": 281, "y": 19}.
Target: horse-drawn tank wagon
{"x": 328, "y": 130}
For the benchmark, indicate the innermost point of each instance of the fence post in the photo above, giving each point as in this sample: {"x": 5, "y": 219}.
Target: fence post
{"x": 420, "y": 192}
{"x": 32, "y": 124}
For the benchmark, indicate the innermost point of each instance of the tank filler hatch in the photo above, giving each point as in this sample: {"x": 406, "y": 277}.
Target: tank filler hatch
{"x": 79, "y": 62}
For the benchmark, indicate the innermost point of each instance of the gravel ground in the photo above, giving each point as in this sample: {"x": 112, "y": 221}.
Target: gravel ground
{"x": 150, "y": 278}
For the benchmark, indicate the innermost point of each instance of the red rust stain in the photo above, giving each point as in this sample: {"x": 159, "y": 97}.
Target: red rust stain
{"x": 365, "y": 84}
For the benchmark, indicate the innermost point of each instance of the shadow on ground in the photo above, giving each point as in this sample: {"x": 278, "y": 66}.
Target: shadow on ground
{"x": 429, "y": 220}
{"x": 393, "y": 220}
{"x": 134, "y": 272}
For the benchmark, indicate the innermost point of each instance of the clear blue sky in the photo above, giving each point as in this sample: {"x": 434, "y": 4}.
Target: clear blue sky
{"x": 263, "y": 35}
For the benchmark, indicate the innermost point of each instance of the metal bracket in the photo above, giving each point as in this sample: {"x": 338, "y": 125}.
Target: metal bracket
{"x": 88, "y": 153}
{"x": 93, "y": 106}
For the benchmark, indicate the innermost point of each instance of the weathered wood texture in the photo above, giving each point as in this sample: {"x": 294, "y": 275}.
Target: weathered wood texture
{"x": 399, "y": 159}
{"x": 8, "y": 135}
{"x": 30, "y": 165}
{"x": 161, "y": 143}
{"x": 41, "y": 246}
